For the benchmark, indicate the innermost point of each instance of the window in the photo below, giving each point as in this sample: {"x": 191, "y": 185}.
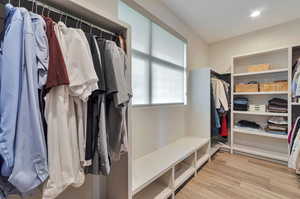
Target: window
{"x": 158, "y": 61}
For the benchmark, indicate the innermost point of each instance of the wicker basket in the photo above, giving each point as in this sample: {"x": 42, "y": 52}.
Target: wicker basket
{"x": 274, "y": 86}
{"x": 240, "y": 88}
{"x": 259, "y": 68}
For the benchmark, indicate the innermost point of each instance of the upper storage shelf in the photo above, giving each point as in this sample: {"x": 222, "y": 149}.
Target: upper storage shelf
{"x": 281, "y": 70}
{"x": 277, "y": 58}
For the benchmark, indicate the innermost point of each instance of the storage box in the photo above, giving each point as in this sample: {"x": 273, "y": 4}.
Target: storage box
{"x": 257, "y": 108}
{"x": 240, "y": 88}
{"x": 282, "y": 86}
{"x": 274, "y": 86}
{"x": 258, "y": 68}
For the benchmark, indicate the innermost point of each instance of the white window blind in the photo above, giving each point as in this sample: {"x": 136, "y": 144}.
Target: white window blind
{"x": 158, "y": 61}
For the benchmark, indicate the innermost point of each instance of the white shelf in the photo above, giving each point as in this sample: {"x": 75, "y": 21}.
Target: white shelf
{"x": 262, "y": 93}
{"x": 261, "y": 113}
{"x": 261, "y": 152}
{"x": 259, "y": 142}
{"x": 183, "y": 175}
{"x": 155, "y": 191}
{"x": 200, "y": 162}
{"x": 295, "y": 103}
{"x": 148, "y": 168}
{"x": 261, "y": 73}
{"x": 258, "y": 133}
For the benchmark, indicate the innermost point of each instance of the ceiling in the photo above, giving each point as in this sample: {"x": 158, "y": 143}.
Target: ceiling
{"x": 216, "y": 20}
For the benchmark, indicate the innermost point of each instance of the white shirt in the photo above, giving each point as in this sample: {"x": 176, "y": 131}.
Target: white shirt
{"x": 66, "y": 108}
{"x": 219, "y": 94}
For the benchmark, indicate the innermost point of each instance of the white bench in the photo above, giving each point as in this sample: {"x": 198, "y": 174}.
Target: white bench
{"x": 158, "y": 174}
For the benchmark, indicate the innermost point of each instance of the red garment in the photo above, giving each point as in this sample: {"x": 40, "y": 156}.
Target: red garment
{"x": 224, "y": 129}
{"x": 57, "y": 71}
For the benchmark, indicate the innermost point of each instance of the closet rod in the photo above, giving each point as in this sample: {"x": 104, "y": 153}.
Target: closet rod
{"x": 60, "y": 12}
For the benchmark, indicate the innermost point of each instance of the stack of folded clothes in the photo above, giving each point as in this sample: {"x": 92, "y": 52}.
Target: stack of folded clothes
{"x": 240, "y": 104}
{"x": 277, "y": 125}
{"x": 248, "y": 124}
{"x": 277, "y": 105}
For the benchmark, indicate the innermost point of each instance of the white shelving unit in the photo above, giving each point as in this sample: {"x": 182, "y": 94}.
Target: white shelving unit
{"x": 159, "y": 174}
{"x": 258, "y": 142}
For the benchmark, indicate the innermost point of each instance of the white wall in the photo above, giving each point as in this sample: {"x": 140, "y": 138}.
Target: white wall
{"x": 154, "y": 127}
{"x": 220, "y": 53}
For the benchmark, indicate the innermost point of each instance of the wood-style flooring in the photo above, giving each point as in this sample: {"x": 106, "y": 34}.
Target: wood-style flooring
{"x": 230, "y": 176}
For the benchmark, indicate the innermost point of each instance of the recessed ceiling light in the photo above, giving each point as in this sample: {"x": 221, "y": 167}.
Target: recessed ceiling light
{"x": 255, "y": 14}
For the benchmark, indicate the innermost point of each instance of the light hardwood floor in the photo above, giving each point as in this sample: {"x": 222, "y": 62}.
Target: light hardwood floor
{"x": 240, "y": 177}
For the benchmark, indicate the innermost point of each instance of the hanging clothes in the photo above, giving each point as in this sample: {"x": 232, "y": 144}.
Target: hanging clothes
{"x": 68, "y": 139}
{"x": 294, "y": 143}
{"x": 11, "y": 54}
{"x": 215, "y": 118}
{"x": 60, "y": 77}
{"x": 11, "y": 39}
{"x": 295, "y": 128}
{"x": 26, "y": 33}
{"x": 55, "y": 105}
{"x": 294, "y": 134}
{"x": 224, "y": 128}
{"x": 97, "y": 154}
{"x": 294, "y": 159}
{"x": 118, "y": 97}
{"x": 296, "y": 81}
{"x": 220, "y": 94}
{"x": 31, "y": 166}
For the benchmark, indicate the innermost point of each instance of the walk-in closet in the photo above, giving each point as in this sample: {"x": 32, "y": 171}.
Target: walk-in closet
{"x": 160, "y": 99}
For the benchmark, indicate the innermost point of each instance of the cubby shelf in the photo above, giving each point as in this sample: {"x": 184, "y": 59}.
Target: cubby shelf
{"x": 155, "y": 191}
{"x": 200, "y": 162}
{"x": 183, "y": 174}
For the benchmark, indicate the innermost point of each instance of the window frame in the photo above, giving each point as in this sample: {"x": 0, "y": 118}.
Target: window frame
{"x": 149, "y": 57}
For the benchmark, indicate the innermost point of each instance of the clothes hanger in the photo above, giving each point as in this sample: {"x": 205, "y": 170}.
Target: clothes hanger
{"x": 66, "y": 19}
{"x": 43, "y": 10}
{"x": 48, "y": 14}
{"x": 32, "y": 5}
{"x": 77, "y": 23}
{"x": 91, "y": 28}
{"x": 60, "y": 16}
{"x": 36, "y": 8}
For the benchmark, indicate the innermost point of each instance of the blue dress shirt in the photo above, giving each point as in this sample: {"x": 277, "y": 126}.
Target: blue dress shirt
{"x": 31, "y": 167}
{"x": 10, "y": 80}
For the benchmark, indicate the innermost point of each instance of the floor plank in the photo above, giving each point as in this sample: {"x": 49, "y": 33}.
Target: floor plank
{"x": 230, "y": 176}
